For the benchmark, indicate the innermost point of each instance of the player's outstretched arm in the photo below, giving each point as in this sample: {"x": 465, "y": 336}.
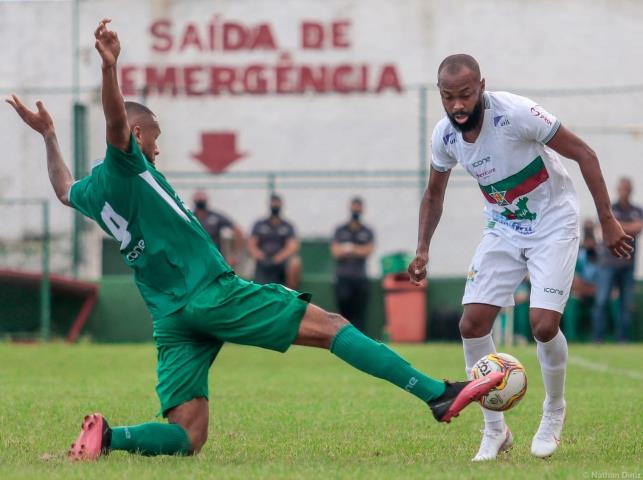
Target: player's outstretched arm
{"x": 571, "y": 146}
{"x": 109, "y": 47}
{"x": 59, "y": 175}
{"x": 430, "y": 213}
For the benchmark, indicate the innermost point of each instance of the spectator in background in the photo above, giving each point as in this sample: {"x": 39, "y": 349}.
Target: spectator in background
{"x": 214, "y": 223}
{"x": 274, "y": 245}
{"x": 584, "y": 284}
{"x": 351, "y": 246}
{"x": 618, "y": 272}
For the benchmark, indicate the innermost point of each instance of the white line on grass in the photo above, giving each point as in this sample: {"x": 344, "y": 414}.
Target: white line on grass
{"x": 601, "y": 367}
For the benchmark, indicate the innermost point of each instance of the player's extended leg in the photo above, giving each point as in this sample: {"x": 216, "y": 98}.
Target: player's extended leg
{"x": 475, "y": 327}
{"x": 552, "y": 355}
{"x": 321, "y": 329}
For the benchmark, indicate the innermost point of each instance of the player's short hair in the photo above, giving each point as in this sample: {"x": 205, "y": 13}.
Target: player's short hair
{"x": 357, "y": 200}
{"x": 454, "y": 63}
{"x": 274, "y": 196}
{"x": 136, "y": 110}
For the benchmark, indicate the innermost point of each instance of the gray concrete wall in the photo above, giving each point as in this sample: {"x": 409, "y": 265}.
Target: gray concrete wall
{"x": 568, "y": 55}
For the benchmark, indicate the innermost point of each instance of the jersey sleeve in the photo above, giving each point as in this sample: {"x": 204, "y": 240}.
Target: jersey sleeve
{"x": 79, "y": 195}
{"x": 532, "y": 122}
{"x": 441, "y": 160}
{"x": 125, "y": 164}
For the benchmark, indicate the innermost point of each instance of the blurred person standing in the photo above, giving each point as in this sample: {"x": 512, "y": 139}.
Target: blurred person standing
{"x": 583, "y": 290}
{"x": 215, "y": 223}
{"x": 352, "y": 244}
{"x": 273, "y": 244}
{"x": 618, "y": 272}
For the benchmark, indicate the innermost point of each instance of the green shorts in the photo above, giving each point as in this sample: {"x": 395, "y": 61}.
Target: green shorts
{"x": 229, "y": 309}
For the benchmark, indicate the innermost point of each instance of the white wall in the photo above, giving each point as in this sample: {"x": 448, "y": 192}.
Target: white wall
{"x": 529, "y": 47}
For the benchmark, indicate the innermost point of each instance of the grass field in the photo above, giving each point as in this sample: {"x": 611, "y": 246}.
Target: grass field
{"x": 307, "y": 415}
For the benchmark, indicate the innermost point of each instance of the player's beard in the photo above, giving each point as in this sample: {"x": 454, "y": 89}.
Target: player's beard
{"x": 472, "y": 121}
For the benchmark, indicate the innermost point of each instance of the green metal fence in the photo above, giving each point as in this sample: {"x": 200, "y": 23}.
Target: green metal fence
{"x": 18, "y": 249}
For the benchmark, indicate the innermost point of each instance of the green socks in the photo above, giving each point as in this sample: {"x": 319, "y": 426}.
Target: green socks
{"x": 378, "y": 360}
{"x": 152, "y": 439}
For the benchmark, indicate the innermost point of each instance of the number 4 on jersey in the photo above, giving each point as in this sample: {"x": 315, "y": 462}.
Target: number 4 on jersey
{"x": 116, "y": 224}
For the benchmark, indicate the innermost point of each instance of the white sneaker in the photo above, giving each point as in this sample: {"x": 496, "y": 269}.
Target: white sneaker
{"x": 493, "y": 443}
{"x": 547, "y": 437}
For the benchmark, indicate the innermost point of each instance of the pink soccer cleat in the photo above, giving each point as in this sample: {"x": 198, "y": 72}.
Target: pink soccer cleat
{"x": 460, "y": 394}
{"x": 94, "y": 439}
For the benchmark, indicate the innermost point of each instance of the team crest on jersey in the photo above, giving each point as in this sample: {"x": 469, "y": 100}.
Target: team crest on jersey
{"x": 449, "y": 139}
{"x": 501, "y": 121}
{"x": 499, "y": 196}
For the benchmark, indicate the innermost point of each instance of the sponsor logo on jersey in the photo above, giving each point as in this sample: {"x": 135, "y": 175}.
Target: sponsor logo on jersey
{"x": 481, "y": 162}
{"x": 449, "y": 139}
{"x": 501, "y": 121}
{"x": 136, "y": 251}
{"x": 553, "y": 290}
{"x": 536, "y": 112}
{"x": 485, "y": 173}
{"x": 518, "y": 226}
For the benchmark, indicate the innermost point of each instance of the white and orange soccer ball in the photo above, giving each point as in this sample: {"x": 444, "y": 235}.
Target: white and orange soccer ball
{"x": 513, "y": 386}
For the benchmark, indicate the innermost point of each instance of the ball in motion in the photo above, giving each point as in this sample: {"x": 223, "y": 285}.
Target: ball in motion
{"x": 513, "y": 386}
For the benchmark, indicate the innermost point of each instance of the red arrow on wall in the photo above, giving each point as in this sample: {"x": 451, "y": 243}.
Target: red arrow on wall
{"x": 218, "y": 151}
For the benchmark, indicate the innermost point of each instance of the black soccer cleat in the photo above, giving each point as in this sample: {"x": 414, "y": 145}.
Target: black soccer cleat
{"x": 460, "y": 394}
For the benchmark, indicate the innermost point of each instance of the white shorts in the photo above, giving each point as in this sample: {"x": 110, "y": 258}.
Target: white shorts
{"x": 498, "y": 267}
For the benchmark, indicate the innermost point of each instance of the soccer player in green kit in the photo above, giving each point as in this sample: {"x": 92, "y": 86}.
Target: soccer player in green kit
{"x": 196, "y": 301}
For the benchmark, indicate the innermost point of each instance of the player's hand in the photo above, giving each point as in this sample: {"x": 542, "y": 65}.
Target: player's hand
{"x": 107, "y": 43}
{"x": 616, "y": 240}
{"x": 417, "y": 269}
{"x": 40, "y": 120}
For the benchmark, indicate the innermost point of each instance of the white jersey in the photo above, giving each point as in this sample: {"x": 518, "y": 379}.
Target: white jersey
{"x": 528, "y": 194}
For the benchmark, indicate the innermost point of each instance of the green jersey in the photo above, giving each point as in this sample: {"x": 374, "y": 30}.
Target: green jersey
{"x": 160, "y": 239}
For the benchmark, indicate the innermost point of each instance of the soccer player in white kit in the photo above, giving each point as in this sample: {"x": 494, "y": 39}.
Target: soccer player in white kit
{"x": 509, "y": 144}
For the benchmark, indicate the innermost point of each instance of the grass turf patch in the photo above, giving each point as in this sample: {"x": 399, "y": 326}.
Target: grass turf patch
{"x": 308, "y": 415}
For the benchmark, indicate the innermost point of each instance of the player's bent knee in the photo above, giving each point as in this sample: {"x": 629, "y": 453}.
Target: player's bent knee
{"x": 471, "y": 329}
{"x": 545, "y": 331}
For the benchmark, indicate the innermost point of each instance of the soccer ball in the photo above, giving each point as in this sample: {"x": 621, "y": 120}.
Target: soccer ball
{"x": 513, "y": 386}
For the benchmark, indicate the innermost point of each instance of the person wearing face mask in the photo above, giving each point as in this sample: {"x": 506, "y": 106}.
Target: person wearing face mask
{"x": 351, "y": 246}
{"x": 274, "y": 245}
{"x": 618, "y": 272}
{"x": 215, "y": 223}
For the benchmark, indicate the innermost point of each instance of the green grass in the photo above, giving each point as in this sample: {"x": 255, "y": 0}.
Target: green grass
{"x": 307, "y": 415}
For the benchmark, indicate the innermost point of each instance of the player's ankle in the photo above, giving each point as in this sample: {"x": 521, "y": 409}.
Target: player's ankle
{"x": 496, "y": 426}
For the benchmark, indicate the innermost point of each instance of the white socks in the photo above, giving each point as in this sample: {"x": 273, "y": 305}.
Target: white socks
{"x": 552, "y": 356}
{"x": 474, "y": 350}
